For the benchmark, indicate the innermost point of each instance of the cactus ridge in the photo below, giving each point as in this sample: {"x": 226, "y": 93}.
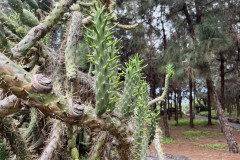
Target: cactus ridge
{"x": 28, "y": 18}
{"x": 16, "y": 5}
{"x": 32, "y": 3}
{"x": 104, "y": 58}
{"x": 132, "y": 74}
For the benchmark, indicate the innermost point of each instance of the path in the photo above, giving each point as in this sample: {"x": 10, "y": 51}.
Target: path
{"x": 234, "y": 125}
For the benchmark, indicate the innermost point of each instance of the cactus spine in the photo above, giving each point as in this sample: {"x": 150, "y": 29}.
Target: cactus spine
{"x": 75, "y": 35}
{"x": 3, "y": 41}
{"x": 28, "y": 18}
{"x": 101, "y": 36}
{"x": 32, "y": 124}
{"x": 16, "y": 5}
{"x": 142, "y": 119}
{"x": 131, "y": 86}
{"x": 32, "y": 3}
{"x": 3, "y": 151}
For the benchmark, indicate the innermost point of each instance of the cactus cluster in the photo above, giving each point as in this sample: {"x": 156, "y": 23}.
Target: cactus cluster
{"x": 25, "y": 16}
{"x": 132, "y": 81}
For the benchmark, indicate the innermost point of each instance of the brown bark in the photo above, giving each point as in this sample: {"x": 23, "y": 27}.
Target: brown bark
{"x": 189, "y": 21}
{"x": 180, "y": 103}
{"x": 231, "y": 141}
{"x": 168, "y": 111}
{"x": 237, "y": 101}
{"x": 165, "y": 118}
{"x": 198, "y": 12}
{"x": 209, "y": 108}
{"x": 176, "y": 107}
{"x": 222, "y": 81}
{"x": 190, "y": 102}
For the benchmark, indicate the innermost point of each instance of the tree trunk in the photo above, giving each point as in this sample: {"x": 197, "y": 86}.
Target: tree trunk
{"x": 237, "y": 101}
{"x": 231, "y": 141}
{"x": 176, "y": 107}
{"x": 190, "y": 102}
{"x": 189, "y": 21}
{"x": 194, "y": 99}
{"x": 180, "y": 103}
{"x": 165, "y": 121}
{"x": 198, "y": 12}
{"x": 169, "y": 117}
{"x": 171, "y": 105}
{"x": 222, "y": 82}
{"x": 209, "y": 109}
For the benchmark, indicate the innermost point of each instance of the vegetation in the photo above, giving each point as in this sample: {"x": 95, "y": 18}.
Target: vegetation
{"x": 96, "y": 79}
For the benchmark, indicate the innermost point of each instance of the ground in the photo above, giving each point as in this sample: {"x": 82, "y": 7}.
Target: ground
{"x": 200, "y": 143}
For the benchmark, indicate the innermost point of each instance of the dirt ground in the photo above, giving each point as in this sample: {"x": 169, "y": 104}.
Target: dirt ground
{"x": 192, "y": 147}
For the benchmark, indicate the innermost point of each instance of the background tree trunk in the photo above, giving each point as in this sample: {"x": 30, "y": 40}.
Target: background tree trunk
{"x": 190, "y": 102}
{"x": 231, "y": 141}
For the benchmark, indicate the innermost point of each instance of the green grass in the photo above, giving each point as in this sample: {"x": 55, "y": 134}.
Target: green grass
{"x": 212, "y": 146}
{"x": 186, "y": 122}
{"x": 196, "y": 134}
{"x": 166, "y": 140}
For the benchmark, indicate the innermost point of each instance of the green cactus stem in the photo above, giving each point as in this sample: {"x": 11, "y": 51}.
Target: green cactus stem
{"x": 170, "y": 73}
{"x": 16, "y": 5}
{"x": 11, "y": 36}
{"x": 12, "y": 134}
{"x": 73, "y": 40}
{"x": 127, "y": 26}
{"x": 142, "y": 112}
{"x": 131, "y": 86}
{"x": 32, "y": 124}
{"x": 97, "y": 150}
{"x": 11, "y": 25}
{"x": 32, "y": 3}
{"x": 75, "y": 154}
{"x": 103, "y": 58}
{"x": 28, "y": 18}
{"x": 3, "y": 149}
{"x": 38, "y": 32}
{"x": 3, "y": 40}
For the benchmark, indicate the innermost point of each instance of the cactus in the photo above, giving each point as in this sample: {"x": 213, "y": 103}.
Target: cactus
{"x": 16, "y": 5}
{"x": 36, "y": 33}
{"x": 101, "y": 36}
{"x": 131, "y": 86}
{"x": 32, "y": 3}
{"x": 12, "y": 134}
{"x": 32, "y": 124}
{"x": 11, "y": 36}
{"x": 142, "y": 119}
{"x": 3, "y": 151}
{"x": 97, "y": 150}
{"x": 3, "y": 41}
{"x": 28, "y": 18}
{"x": 75, "y": 154}
{"x": 73, "y": 40}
